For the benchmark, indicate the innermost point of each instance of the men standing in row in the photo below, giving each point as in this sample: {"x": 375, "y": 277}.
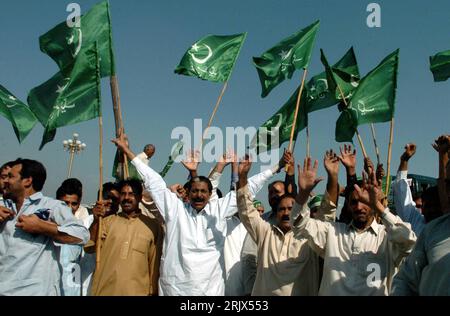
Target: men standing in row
{"x": 31, "y": 227}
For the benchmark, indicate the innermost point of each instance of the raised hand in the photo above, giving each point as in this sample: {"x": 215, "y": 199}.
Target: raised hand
{"x": 331, "y": 163}
{"x": 369, "y": 167}
{"x": 348, "y": 157}
{"x": 380, "y": 173}
{"x": 442, "y": 144}
{"x": 192, "y": 160}
{"x": 244, "y": 168}
{"x": 288, "y": 162}
{"x": 307, "y": 180}
{"x": 410, "y": 150}
{"x": 371, "y": 193}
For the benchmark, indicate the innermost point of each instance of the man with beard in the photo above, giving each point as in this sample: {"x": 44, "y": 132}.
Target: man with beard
{"x": 360, "y": 258}
{"x": 193, "y": 262}
{"x": 32, "y": 226}
{"x": 4, "y": 170}
{"x": 131, "y": 245}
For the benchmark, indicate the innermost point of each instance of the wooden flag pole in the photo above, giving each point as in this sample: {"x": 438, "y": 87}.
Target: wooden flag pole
{"x": 391, "y": 139}
{"x": 357, "y": 132}
{"x": 219, "y": 100}
{"x": 118, "y": 118}
{"x": 100, "y": 220}
{"x": 308, "y": 144}
{"x": 374, "y": 136}
{"x": 297, "y": 108}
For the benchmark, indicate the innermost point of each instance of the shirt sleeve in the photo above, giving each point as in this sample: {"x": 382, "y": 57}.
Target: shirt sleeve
{"x": 400, "y": 235}
{"x": 67, "y": 223}
{"x": 327, "y": 210}
{"x": 249, "y": 215}
{"x": 215, "y": 181}
{"x": 257, "y": 182}
{"x": 166, "y": 201}
{"x": 404, "y": 204}
{"x": 315, "y": 231}
{"x": 407, "y": 281}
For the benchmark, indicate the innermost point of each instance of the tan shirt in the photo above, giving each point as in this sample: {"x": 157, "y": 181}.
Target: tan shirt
{"x": 286, "y": 265}
{"x": 130, "y": 257}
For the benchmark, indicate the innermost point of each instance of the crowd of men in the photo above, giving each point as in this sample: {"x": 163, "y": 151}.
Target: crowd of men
{"x": 144, "y": 237}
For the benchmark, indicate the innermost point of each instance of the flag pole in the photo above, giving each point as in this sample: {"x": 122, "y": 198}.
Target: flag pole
{"x": 100, "y": 194}
{"x": 219, "y": 100}
{"x": 297, "y": 108}
{"x": 374, "y": 136}
{"x": 308, "y": 145}
{"x": 391, "y": 139}
{"x": 357, "y": 132}
{"x": 118, "y": 118}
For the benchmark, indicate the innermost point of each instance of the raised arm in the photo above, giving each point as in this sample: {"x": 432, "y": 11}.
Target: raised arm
{"x": 289, "y": 181}
{"x": 403, "y": 200}
{"x": 442, "y": 146}
{"x": 248, "y": 214}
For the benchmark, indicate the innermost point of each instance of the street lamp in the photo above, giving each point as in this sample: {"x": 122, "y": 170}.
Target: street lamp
{"x": 73, "y": 146}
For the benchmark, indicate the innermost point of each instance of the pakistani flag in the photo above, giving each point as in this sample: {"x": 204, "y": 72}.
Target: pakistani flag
{"x": 117, "y": 171}
{"x": 277, "y": 130}
{"x": 281, "y": 61}
{"x": 321, "y": 92}
{"x": 373, "y": 101}
{"x": 440, "y": 66}
{"x": 63, "y": 43}
{"x": 177, "y": 150}
{"x": 212, "y": 58}
{"x": 18, "y": 113}
{"x": 68, "y": 99}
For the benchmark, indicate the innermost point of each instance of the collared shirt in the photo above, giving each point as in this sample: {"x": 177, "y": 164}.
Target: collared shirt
{"x": 427, "y": 269}
{"x": 356, "y": 263}
{"x": 28, "y": 263}
{"x": 286, "y": 265}
{"x": 192, "y": 262}
{"x": 404, "y": 203}
{"x": 129, "y": 258}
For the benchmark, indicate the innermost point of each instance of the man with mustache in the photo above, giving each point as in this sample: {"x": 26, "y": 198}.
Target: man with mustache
{"x": 360, "y": 258}
{"x": 193, "y": 263}
{"x": 4, "y": 170}
{"x": 286, "y": 266}
{"x": 131, "y": 245}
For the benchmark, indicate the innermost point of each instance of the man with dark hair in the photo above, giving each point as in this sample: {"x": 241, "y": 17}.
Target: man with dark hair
{"x": 4, "y": 170}
{"x": 360, "y": 258}
{"x": 31, "y": 227}
{"x": 131, "y": 246}
{"x": 195, "y": 233}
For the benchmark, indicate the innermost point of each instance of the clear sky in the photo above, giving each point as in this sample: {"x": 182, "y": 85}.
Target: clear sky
{"x": 150, "y": 37}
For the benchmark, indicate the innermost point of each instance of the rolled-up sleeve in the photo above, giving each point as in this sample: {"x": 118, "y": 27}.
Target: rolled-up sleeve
{"x": 67, "y": 223}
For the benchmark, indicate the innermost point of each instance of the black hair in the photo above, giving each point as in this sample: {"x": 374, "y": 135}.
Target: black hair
{"x": 32, "y": 169}
{"x": 284, "y": 196}
{"x": 6, "y": 165}
{"x": 135, "y": 185}
{"x": 107, "y": 188}
{"x": 275, "y": 182}
{"x": 219, "y": 193}
{"x": 201, "y": 179}
{"x": 70, "y": 187}
{"x": 430, "y": 197}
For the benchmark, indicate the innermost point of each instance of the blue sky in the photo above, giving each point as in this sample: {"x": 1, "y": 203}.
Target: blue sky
{"x": 150, "y": 37}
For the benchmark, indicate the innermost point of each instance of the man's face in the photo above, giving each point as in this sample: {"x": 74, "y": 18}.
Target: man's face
{"x": 284, "y": 214}
{"x": 129, "y": 200}
{"x": 199, "y": 195}
{"x": 3, "y": 178}
{"x": 419, "y": 203}
{"x": 275, "y": 192}
{"x": 112, "y": 202}
{"x": 149, "y": 152}
{"x": 361, "y": 213}
{"x": 73, "y": 201}
{"x": 260, "y": 210}
{"x": 15, "y": 186}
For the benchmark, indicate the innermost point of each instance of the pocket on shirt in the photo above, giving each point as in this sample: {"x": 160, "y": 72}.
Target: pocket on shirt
{"x": 141, "y": 243}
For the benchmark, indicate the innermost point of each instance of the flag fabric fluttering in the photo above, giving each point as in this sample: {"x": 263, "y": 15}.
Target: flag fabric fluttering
{"x": 65, "y": 43}
{"x": 68, "y": 99}
{"x": 277, "y": 130}
{"x": 440, "y": 66}
{"x": 18, "y": 113}
{"x": 281, "y": 61}
{"x": 212, "y": 58}
{"x": 373, "y": 101}
{"x": 176, "y": 151}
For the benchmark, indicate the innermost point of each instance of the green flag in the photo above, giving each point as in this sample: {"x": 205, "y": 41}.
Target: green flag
{"x": 281, "y": 61}
{"x": 321, "y": 92}
{"x": 374, "y": 99}
{"x": 277, "y": 130}
{"x": 18, "y": 113}
{"x": 63, "y": 43}
{"x": 440, "y": 66}
{"x": 67, "y": 100}
{"x": 212, "y": 58}
{"x": 176, "y": 151}
{"x": 117, "y": 171}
